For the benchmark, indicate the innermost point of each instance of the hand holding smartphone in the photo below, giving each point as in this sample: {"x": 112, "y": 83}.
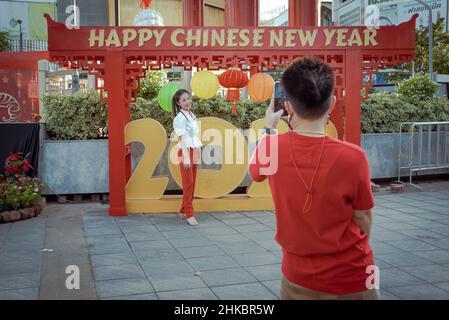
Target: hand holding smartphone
{"x": 279, "y": 99}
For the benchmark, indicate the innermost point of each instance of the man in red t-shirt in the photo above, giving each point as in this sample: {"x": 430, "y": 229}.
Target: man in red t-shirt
{"x": 321, "y": 190}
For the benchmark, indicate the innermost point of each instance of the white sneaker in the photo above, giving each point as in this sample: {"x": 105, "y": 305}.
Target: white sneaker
{"x": 192, "y": 221}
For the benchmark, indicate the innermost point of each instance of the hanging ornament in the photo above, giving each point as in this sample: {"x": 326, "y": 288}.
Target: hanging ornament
{"x": 165, "y": 95}
{"x": 260, "y": 87}
{"x": 233, "y": 79}
{"x": 204, "y": 84}
{"x": 147, "y": 16}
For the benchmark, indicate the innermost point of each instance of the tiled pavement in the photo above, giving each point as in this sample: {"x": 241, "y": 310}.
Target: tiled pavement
{"x": 229, "y": 255}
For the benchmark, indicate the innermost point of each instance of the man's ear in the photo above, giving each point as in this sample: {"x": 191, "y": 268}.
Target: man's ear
{"x": 333, "y": 103}
{"x": 289, "y": 107}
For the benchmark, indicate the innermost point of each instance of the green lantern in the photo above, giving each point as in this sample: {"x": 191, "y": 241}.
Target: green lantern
{"x": 165, "y": 95}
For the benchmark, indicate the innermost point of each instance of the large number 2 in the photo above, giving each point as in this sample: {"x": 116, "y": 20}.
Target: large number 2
{"x": 142, "y": 184}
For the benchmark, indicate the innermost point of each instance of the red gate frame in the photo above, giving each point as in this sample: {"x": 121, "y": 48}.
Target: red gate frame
{"x": 122, "y": 68}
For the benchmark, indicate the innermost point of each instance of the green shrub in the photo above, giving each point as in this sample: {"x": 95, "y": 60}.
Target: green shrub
{"x": 4, "y": 43}
{"x": 384, "y": 112}
{"x": 419, "y": 87}
{"x": 247, "y": 111}
{"x": 78, "y": 117}
{"x": 151, "y": 84}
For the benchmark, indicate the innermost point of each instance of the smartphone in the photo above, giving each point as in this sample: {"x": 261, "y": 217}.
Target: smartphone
{"x": 279, "y": 99}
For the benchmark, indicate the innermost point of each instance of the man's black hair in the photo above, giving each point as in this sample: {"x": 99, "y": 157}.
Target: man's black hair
{"x": 309, "y": 85}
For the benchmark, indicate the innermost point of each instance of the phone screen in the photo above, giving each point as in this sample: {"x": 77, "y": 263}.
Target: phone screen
{"x": 279, "y": 99}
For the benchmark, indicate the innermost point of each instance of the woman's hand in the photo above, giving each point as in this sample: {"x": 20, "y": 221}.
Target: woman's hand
{"x": 186, "y": 166}
{"x": 272, "y": 117}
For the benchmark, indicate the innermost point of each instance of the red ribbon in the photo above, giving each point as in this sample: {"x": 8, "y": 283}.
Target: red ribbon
{"x": 145, "y": 4}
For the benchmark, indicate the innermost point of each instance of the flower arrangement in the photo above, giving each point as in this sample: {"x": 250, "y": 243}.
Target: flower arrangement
{"x": 17, "y": 164}
{"x": 19, "y": 194}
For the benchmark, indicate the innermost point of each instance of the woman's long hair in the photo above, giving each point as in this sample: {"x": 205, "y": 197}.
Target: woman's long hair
{"x": 175, "y": 106}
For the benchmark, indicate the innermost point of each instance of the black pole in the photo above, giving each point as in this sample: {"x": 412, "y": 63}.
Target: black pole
{"x": 116, "y": 4}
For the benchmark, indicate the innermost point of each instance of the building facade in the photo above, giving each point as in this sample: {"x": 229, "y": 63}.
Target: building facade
{"x": 387, "y": 12}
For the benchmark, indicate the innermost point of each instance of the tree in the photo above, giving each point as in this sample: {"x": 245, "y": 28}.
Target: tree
{"x": 4, "y": 43}
{"x": 440, "y": 49}
{"x": 151, "y": 84}
{"x": 421, "y": 62}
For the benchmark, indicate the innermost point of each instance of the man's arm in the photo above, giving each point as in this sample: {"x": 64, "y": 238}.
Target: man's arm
{"x": 364, "y": 220}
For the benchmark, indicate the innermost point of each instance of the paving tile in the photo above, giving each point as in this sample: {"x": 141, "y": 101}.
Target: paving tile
{"x": 265, "y": 273}
{"x": 239, "y": 222}
{"x": 158, "y": 253}
{"x": 385, "y": 295}
{"x": 420, "y": 292}
{"x": 145, "y": 296}
{"x": 437, "y": 256}
{"x": 228, "y": 215}
{"x": 105, "y": 248}
{"x": 412, "y": 245}
{"x": 443, "y": 285}
{"x": 113, "y": 259}
{"x": 274, "y": 286}
{"x": 204, "y": 251}
{"x": 18, "y": 267}
{"x": 144, "y": 236}
{"x": 106, "y": 239}
{"x": 241, "y": 247}
{"x": 218, "y": 231}
{"x": 429, "y": 273}
{"x": 123, "y": 287}
{"x": 390, "y": 278}
{"x": 165, "y": 268}
{"x": 421, "y": 234}
{"x": 191, "y": 294}
{"x": 269, "y": 245}
{"x": 248, "y": 291}
{"x": 180, "y": 281}
{"x": 151, "y": 244}
{"x": 403, "y": 259}
{"x": 176, "y": 234}
{"x": 260, "y": 235}
{"x": 256, "y": 259}
{"x": 212, "y": 263}
{"x": 101, "y": 231}
{"x": 254, "y": 227}
{"x": 387, "y": 235}
{"x": 190, "y": 242}
{"x": 20, "y": 294}
{"x": 441, "y": 243}
{"x": 19, "y": 281}
{"x": 124, "y": 271}
{"x": 226, "y": 277}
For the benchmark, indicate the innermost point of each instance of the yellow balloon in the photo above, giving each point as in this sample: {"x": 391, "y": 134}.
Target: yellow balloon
{"x": 205, "y": 84}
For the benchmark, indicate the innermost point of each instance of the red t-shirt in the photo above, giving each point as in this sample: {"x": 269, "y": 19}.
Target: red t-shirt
{"x": 323, "y": 249}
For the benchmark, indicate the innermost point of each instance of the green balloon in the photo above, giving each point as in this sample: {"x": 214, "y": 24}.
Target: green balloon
{"x": 165, "y": 95}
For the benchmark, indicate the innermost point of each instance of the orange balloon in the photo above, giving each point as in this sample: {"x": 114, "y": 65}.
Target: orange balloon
{"x": 260, "y": 87}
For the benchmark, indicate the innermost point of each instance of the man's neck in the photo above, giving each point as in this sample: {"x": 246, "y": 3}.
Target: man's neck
{"x": 310, "y": 128}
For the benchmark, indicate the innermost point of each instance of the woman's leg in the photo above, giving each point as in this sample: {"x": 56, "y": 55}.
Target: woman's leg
{"x": 187, "y": 187}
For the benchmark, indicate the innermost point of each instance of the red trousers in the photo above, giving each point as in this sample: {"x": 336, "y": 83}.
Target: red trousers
{"x": 188, "y": 181}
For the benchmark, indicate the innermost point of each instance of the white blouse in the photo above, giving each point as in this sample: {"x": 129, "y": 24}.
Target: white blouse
{"x": 186, "y": 127}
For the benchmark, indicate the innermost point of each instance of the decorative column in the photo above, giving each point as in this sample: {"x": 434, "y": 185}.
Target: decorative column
{"x": 193, "y": 13}
{"x": 302, "y": 13}
{"x": 193, "y": 16}
{"x": 117, "y": 117}
{"x": 241, "y": 13}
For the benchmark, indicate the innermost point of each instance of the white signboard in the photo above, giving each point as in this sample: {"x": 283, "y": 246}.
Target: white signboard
{"x": 393, "y": 12}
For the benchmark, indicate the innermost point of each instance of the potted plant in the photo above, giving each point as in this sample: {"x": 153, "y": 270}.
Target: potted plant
{"x": 20, "y": 195}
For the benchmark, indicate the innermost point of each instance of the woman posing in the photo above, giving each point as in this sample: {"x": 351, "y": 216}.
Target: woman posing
{"x": 186, "y": 128}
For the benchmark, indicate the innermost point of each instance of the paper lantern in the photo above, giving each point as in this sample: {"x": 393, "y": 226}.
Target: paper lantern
{"x": 331, "y": 130}
{"x": 165, "y": 95}
{"x": 147, "y": 16}
{"x": 233, "y": 79}
{"x": 260, "y": 87}
{"x": 204, "y": 84}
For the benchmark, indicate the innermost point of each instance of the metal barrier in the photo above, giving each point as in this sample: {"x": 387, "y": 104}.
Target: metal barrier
{"x": 426, "y": 147}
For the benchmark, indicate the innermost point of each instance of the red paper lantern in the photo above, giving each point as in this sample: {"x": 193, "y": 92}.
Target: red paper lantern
{"x": 233, "y": 79}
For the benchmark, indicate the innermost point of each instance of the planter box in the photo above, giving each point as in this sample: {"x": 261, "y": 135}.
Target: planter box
{"x": 81, "y": 167}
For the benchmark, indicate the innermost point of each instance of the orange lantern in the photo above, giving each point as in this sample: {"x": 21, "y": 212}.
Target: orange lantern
{"x": 260, "y": 87}
{"x": 233, "y": 79}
